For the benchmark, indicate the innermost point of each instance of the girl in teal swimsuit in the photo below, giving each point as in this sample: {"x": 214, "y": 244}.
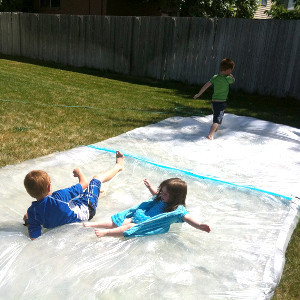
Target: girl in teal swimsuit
{"x": 155, "y": 216}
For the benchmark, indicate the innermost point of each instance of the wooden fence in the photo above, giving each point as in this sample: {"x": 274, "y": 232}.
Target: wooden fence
{"x": 266, "y": 52}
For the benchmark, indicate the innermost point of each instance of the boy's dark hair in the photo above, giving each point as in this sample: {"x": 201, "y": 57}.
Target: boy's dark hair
{"x": 177, "y": 190}
{"x": 226, "y": 64}
{"x": 37, "y": 183}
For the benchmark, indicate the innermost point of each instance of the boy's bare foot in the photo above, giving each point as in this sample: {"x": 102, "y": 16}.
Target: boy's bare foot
{"x": 76, "y": 172}
{"x": 102, "y": 193}
{"x": 210, "y": 137}
{"x": 120, "y": 160}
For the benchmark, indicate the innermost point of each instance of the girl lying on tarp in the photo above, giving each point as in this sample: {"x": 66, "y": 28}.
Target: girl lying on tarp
{"x": 155, "y": 216}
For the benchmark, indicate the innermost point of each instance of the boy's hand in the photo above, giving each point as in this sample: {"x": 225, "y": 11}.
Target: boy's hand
{"x": 25, "y": 219}
{"x": 196, "y": 96}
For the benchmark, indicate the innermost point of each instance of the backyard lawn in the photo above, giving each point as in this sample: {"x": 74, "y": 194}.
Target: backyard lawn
{"x": 46, "y": 108}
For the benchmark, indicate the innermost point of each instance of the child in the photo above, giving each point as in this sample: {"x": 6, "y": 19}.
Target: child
{"x": 154, "y": 216}
{"x": 52, "y": 209}
{"x": 221, "y": 84}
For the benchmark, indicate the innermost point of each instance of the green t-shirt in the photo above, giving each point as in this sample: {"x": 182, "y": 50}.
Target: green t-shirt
{"x": 221, "y": 86}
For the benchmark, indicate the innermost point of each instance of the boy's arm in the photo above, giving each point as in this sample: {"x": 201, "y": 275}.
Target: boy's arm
{"x": 191, "y": 221}
{"x": 35, "y": 229}
{"x": 82, "y": 179}
{"x": 25, "y": 219}
{"x": 203, "y": 89}
{"x": 149, "y": 187}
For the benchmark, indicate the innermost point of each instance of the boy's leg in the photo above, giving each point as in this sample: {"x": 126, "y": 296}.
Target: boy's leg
{"x": 93, "y": 191}
{"x": 114, "y": 232}
{"x": 218, "y": 114}
{"x": 214, "y": 127}
{"x": 109, "y": 174}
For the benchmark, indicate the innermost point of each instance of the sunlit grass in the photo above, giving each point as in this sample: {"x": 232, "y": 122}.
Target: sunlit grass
{"x": 46, "y": 108}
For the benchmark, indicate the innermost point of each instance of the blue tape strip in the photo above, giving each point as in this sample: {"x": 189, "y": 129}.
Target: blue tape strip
{"x": 190, "y": 173}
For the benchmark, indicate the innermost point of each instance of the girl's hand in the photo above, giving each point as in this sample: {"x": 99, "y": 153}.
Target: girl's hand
{"x": 149, "y": 187}
{"x": 204, "y": 227}
{"x": 147, "y": 183}
{"x": 193, "y": 222}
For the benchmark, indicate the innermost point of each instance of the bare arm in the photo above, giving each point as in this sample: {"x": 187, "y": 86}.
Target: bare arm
{"x": 82, "y": 179}
{"x": 191, "y": 221}
{"x": 203, "y": 89}
{"x": 149, "y": 187}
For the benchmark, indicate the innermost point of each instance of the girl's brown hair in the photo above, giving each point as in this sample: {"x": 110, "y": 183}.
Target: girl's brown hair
{"x": 177, "y": 190}
{"x": 37, "y": 183}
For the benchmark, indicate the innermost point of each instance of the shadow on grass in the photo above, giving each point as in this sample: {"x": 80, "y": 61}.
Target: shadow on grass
{"x": 269, "y": 108}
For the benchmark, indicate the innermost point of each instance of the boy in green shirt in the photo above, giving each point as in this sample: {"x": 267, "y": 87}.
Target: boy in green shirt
{"x": 221, "y": 84}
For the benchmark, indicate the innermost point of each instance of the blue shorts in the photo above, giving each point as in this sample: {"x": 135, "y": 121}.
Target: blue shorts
{"x": 218, "y": 111}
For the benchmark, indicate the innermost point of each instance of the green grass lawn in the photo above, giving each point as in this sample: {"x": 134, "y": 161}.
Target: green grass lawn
{"x": 46, "y": 108}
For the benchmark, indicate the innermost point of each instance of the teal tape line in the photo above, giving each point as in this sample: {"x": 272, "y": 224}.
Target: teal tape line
{"x": 192, "y": 174}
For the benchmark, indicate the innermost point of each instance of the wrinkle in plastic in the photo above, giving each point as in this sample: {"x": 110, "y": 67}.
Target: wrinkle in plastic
{"x": 242, "y": 257}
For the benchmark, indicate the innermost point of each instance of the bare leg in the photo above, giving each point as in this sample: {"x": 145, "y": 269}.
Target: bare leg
{"x": 214, "y": 127}
{"x": 114, "y": 232}
{"x": 119, "y": 166}
{"x": 108, "y": 224}
{"x": 104, "y": 224}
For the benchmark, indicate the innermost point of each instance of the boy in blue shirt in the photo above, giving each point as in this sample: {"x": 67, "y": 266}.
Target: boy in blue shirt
{"x": 221, "y": 84}
{"x": 74, "y": 204}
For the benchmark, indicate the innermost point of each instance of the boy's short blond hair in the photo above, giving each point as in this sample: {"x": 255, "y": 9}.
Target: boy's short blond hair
{"x": 37, "y": 184}
{"x": 226, "y": 64}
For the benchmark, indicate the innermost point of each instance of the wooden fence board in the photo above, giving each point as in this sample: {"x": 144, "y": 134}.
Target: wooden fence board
{"x": 63, "y": 40}
{"x": 266, "y": 52}
{"x": 15, "y": 34}
{"x": 292, "y": 80}
{"x": 6, "y": 33}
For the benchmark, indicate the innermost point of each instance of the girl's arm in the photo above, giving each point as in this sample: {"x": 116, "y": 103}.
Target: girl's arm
{"x": 149, "y": 187}
{"x": 82, "y": 179}
{"x": 203, "y": 89}
{"x": 191, "y": 221}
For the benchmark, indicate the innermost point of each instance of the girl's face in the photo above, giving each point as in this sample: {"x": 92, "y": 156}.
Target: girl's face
{"x": 164, "y": 195}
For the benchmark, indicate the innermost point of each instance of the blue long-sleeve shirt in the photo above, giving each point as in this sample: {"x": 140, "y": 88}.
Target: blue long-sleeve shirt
{"x": 52, "y": 211}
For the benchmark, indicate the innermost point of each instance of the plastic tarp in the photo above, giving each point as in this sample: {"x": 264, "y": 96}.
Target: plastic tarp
{"x": 243, "y": 184}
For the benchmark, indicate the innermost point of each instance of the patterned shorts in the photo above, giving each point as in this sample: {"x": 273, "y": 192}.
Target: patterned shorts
{"x": 91, "y": 195}
{"x": 218, "y": 111}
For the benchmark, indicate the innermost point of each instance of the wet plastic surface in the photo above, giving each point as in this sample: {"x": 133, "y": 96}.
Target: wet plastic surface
{"x": 232, "y": 186}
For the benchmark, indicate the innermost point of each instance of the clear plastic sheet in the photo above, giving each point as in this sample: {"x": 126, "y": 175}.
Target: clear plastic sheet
{"x": 234, "y": 183}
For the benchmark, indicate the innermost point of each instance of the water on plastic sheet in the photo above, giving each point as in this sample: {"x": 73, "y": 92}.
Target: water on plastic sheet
{"x": 237, "y": 260}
